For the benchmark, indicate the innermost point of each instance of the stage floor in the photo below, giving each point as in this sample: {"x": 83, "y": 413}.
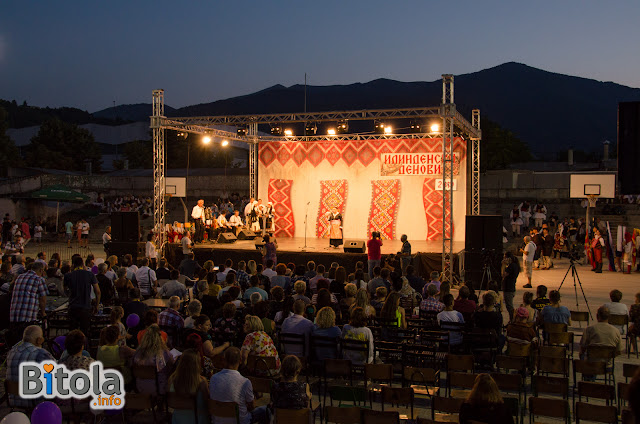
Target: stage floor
{"x": 296, "y": 244}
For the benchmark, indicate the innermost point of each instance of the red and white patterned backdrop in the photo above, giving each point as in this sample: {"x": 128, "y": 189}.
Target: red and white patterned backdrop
{"x": 310, "y": 163}
{"x": 280, "y": 195}
{"x": 333, "y": 193}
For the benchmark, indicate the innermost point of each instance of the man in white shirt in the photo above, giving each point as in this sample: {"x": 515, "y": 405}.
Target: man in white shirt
{"x": 268, "y": 271}
{"x": 106, "y": 239}
{"x": 223, "y": 224}
{"x": 247, "y": 211}
{"x": 146, "y": 278}
{"x": 42, "y": 258}
{"x": 235, "y": 221}
{"x": 198, "y": 215}
{"x": 528, "y": 253}
{"x": 85, "y": 233}
{"x": 186, "y": 244}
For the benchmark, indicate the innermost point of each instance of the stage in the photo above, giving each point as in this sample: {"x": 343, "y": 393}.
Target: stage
{"x": 427, "y": 255}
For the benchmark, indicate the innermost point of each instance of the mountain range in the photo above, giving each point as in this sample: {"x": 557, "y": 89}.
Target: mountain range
{"x": 549, "y": 111}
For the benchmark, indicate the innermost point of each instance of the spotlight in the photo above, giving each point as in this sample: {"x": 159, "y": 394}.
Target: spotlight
{"x": 331, "y": 131}
{"x": 310, "y": 128}
{"x": 379, "y": 127}
{"x": 388, "y": 129}
{"x": 276, "y": 130}
{"x": 434, "y": 127}
{"x": 224, "y": 143}
{"x": 206, "y": 139}
{"x": 343, "y": 126}
{"x": 242, "y": 131}
{"x": 182, "y": 134}
{"x": 288, "y": 132}
{"x": 415, "y": 127}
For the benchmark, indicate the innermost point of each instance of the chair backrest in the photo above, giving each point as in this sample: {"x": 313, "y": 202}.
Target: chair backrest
{"x": 137, "y": 401}
{"x": 292, "y": 340}
{"x": 337, "y": 415}
{"x": 181, "y": 401}
{"x": 261, "y": 364}
{"x": 627, "y": 417}
{"x": 598, "y": 413}
{"x": 553, "y": 365}
{"x": 512, "y": 382}
{"x": 564, "y": 338}
{"x": 596, "y": 390}
{"x": 588, "y": 367}
{"x": 420, "y": 375}
{"x": 378, "y": 372}
{"x": 261, "y": 385}
{"x": 292, "y": 416}
{"x": 223, "y": 409}
{"x": 380, "y": 417}
{"x": 557, "y": 408}
{"x": 520, "y": 350}
{"x": 460, "y": 362}
{"x": 555, "y": 327}
{"x": 552, "y": 351}
{"x": 337, "y": 368}
{"x": 325, "y": 343}
{"x": 512, "y": 363}
{"x": 445, "y": 404}
{"x": 601, "y": 353}
{"x": 461, "y": 379}
{"x": 398, "y": 396}
{"x": 389, "y": 352}
{"x": 629, "y": 370}
{"x": 579, "y": 316}
{"x": 147, "y": 372}
{"x": 619, "y": 320}
{"x": 551, "y": 385}
{"x": 356, "y": 395}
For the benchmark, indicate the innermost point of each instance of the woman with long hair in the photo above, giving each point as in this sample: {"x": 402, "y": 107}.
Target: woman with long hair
{"x": 485, "y": 404}
{"x": 286, "y": 312}
{"x": 112, "y": 354}
{"x": 269, "y": 250}
{"x": 392, "y": 312}
{"x": 337, "y": 285}
{"x": 252, "y": 267}
{"x": 289, "y": 393}
{"x": 362, "y": 301}
{"x": 186, "y": 380}
{"x": 154, "y": 352}
{"x": 357, "y": 330}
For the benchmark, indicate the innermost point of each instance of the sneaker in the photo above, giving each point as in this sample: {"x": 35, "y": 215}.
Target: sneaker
{"x": 527, "y": 286}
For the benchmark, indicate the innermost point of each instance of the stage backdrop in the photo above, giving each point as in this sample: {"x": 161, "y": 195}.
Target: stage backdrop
{"x": 394, "y": 186}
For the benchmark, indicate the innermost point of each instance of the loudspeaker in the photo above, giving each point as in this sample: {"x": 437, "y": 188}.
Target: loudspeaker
{"x": 628, "y": 147}
{"x": 125, "y": 226}
{"x": 134, "y": 248}
{"x": 354, "y": 246}
{"x": 246, "y": 235}
{"x": 482, "y": 242}
{"x": 227, "y": 238}
{"x": 259, "y": 243}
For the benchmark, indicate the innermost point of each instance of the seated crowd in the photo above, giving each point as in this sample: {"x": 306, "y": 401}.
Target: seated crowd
{"x": 218, "y": 325}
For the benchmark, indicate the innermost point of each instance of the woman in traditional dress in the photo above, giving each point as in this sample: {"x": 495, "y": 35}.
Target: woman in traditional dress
{"x": 335, "y": 227}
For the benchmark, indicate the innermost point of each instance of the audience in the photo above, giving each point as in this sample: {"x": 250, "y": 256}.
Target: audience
{"x": 257, "y": 342}
{"x": 325, "y": 327}
{"x": 187, "y": 380}
{"x": 289, "y": 393}
{"x": 485, "y": 404}
{"x": 554, "y": 312}
{"x": 298, "y": 324}
{"x": 601, "y": 333}
{"x": 153, "y": 351}
{"x": 357, "y": 330}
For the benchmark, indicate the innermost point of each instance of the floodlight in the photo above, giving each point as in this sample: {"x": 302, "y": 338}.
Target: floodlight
{"x": 224, "y": 143}
{"x": 206, "y": 139}
{"x": 288, "y": 132}
{"x": 415, "y": 127}
{"x": 379, "y": 127}
{"x": 434, "y": 127}
{"x": 276, "y": 130}
{"x": 242, "y": 131}
{"x": 343, "y": 127}
{"x": 388, "y": 129}
{"x": 331, "y": 131}
{"x": 182, "y": 134}
{"x": 310, "y": 128}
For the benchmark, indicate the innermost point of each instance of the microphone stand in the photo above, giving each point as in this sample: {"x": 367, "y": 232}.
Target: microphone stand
{"x": 306, "y": 215}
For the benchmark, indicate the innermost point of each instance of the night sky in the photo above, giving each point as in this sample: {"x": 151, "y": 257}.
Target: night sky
{"x": 88, "y": 54}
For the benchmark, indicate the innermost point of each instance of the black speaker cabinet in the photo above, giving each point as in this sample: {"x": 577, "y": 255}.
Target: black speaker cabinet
{"x": 354, "y": 246}
{"x": 628, "y": 147}
{"x": 227, "y": 238}
{"x": 482, "y": 244}
{"x": 246, "y": 235}
{"x": 125, "y": 226}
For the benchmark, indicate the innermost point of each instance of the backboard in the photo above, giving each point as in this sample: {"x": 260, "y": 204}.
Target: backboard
{"x": 176, "y": 186}
{"x": 600, "y": 185}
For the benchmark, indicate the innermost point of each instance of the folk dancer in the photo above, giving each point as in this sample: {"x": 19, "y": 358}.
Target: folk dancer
{"x": 335, "y": 227}
{"x": 597, "y": 246}
{"x": 248, "y": 212}
{"x": 627, "y": 254}
{"x": 209, "y": 223}
{"x": 525, "y": 214}
{"x": 259, "y": 210}
{"x": 235, "y": 222}
{"x": 270, "y": 214}
{"x": 198, "y": 215}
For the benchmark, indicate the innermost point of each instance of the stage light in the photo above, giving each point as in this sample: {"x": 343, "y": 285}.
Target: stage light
{"x": 343, "y": 127}
{"x": 288, "y": 132}
{"x": 331, "y": 131}
{"x": 388, "y": 129}
{"x": 242, "y": 131}
{"x": 182, "y": 134}
{"x": 277, "y": 130}
{"x": 310, "y": 129}
{"x": 224, "y": 143}
{"x": 206, "y": 139}
{"x": 379, "y": 127}
{"x": 415, "y": 127}
{"x": 434, "y": 127}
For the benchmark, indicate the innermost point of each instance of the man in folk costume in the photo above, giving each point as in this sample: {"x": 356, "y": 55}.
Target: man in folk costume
{"x": 627, "y": 252}
{"x": 636, "y": 246}
{"x": 335, "y": 227}
{"x": 597, "y": 245}
{"x": 248, "y": 212}
{"x": 525, "y": 214}
{"x": 270, "y": 215}
{"x": 258, "y": 211}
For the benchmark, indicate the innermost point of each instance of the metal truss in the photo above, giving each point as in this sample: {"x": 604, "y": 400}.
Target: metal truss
{"x": 158, "y": 169}
{"x": 475, "y": 164}
{"x": 252, "y": 132}
{"x": 448, "y": 116}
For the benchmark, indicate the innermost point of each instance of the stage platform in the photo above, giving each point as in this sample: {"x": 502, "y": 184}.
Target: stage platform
{"x": 427, "y": 255}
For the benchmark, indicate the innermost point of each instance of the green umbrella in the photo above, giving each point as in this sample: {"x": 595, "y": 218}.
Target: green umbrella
{"x": 59, "y": 193}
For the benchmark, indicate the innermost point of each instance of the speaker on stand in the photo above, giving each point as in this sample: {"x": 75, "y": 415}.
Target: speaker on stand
{"x": 483, "y": 249}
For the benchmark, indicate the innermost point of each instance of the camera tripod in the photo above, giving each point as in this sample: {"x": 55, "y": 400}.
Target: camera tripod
{"x": 574, "y": 274}
{"x": 486, "y": 272}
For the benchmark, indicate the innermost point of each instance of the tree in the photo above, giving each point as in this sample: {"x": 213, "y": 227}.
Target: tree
{"x": 9, "y": 153}
{"x": 139, "y": 153}
{"x": 60, "y": 145}
{"x": 499, "y": 147}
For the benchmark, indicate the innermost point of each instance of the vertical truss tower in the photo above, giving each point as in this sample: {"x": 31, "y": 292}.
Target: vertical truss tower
{"x": 157, "y": 122}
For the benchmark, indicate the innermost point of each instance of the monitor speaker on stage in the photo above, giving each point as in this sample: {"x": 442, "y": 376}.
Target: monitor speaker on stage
{"x": 482, "y": 244}
{"x": 227, "y": 238}
{"x": 125, "y": 226}
{"x": 246, "y": 235}
{"x": 354, "y": 246}
{"x": 628, "y": 147}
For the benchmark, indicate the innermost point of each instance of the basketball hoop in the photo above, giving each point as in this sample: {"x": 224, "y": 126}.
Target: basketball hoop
{"x": 593, "y": 199}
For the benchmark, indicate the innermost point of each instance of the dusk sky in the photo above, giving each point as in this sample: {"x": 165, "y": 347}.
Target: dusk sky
{"x": 88, "y": 54}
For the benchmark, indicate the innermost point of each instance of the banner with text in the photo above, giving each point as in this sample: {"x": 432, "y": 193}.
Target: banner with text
{"x": 394, "y": 164}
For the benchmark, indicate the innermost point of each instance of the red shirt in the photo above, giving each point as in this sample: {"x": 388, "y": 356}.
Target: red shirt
{"x": 373, "y": 249}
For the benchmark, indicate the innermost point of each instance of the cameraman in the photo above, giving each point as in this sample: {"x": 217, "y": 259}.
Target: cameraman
{"x": 373, "y": 252}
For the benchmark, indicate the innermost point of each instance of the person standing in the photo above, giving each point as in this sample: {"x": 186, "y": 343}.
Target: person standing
{"x": 79, "y": 282}
{"x": 106, "y": 240}
{"x": 198, "y": 215}
{"x": 37, "y": 233}
{"x": 269, "y": 250}
{"x": 68, "y": 229}
{"x": 405, "y": 254}
{"x": 150, "y": 251}
{"x": 528, "y": 252}
{"x": 373, "y": 252}
{"x": 84, "y": 225}
{"x": 597, "y": 245}
{"x": 29, "y": 298}
{"x": 335, "y": 227}
{"x": 146, "y": 278}
{"x": 509, "y": 277}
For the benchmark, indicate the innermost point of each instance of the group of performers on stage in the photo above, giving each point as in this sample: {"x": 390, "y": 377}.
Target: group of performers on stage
{"x": 259, "y": 218}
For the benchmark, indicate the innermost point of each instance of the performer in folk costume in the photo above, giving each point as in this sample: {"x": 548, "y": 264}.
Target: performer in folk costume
{"x": 516, "y": 221}
{"x": 258, "y": 212}
{"x": 235, "y": 221}
{"x": 335, "y": 227}
{"x": 525, "y": 214}
{"x": 248, "y": 212}
{"x": 627, "y": 252}
{"x": 597, "y": 246}
{"x": 269, "y": 218}
{"x": 199, "y": 216}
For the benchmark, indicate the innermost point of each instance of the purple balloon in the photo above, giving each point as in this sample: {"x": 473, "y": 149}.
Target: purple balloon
{"x": 60, "y": 341}
{"x": 46, "y": 413}
{"x": 133, "y": 320}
